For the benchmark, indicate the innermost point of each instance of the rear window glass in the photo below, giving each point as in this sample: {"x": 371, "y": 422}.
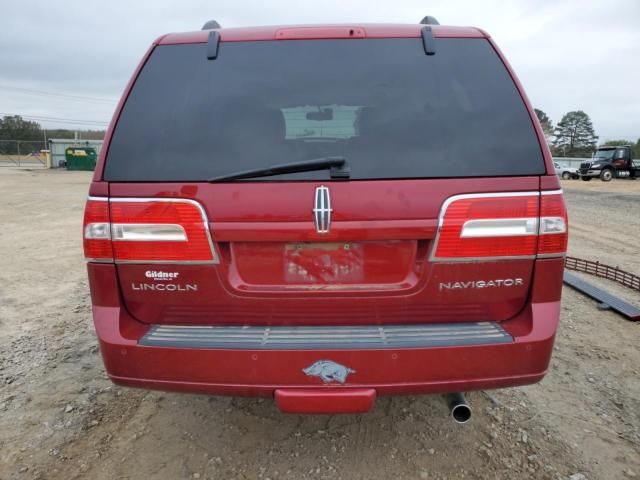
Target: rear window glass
{"x": 389, "y": 109}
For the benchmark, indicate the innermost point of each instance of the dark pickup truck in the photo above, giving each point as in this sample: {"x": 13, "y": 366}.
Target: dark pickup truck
{"x": 610, "y": 162}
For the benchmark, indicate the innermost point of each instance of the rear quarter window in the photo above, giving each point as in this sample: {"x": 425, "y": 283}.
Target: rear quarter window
{"x": 389, "y": 109}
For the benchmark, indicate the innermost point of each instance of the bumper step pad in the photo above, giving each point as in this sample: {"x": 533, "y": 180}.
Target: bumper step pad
{"x": 325, "y": 337}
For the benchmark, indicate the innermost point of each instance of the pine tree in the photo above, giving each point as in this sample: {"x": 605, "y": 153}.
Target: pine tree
{"x": 574, "y": 135}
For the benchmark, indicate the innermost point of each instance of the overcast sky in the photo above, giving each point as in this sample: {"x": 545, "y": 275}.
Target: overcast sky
{"x": 71, "y": 59}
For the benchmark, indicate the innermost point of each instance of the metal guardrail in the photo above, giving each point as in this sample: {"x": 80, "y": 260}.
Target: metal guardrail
{"x": 598, "y": 269}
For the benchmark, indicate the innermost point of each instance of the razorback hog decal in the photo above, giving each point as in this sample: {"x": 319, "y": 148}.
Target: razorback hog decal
{"x": 328, "y": 371}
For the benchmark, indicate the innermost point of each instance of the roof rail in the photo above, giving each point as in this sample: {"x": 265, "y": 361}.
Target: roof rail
{"x": 210, "y": 25}
{"x": 213, "y": 43}
{"x": 427, "y": 40}
{"x": 429, "y": 20}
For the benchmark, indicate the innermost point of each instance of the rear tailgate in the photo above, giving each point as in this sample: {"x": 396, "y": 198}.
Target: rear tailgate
{"x": 419, "y": 132}
{"x": 373, "y": 266}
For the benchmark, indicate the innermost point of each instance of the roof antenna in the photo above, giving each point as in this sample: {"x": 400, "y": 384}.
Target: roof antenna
{"x": 429, "y": 20}
{"x": 212, "y": 24}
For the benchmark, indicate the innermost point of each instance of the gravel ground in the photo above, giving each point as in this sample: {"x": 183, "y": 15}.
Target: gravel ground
{"x": 61, "y": 418}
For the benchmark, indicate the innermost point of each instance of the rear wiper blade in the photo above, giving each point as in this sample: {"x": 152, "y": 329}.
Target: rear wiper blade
{"x": 338, "y": 165}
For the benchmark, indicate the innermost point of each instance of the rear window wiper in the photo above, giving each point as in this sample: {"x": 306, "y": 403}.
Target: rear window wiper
{"x": 338, "y": 166}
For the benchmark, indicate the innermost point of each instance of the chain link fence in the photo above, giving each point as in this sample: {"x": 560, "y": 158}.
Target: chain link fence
{"x": 22, "y": 153}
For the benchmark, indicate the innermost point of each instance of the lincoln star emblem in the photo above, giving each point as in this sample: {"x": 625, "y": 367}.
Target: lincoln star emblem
{"x": 322, "y": 209}
{"x": 328, "y": 371}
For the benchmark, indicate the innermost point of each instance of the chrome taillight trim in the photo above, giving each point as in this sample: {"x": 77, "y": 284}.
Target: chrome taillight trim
{"x": 551, "y": 255}
{"x": 148, "y": 232}
{"x": 499, "y": 227}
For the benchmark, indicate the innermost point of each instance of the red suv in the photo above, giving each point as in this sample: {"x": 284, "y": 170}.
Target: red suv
{"x": 324, "y": 214}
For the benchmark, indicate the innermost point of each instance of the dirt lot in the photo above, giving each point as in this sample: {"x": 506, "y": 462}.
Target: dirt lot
{"x": 61, "y": 418}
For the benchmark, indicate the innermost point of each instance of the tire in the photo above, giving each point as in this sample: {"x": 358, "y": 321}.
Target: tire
{"x": 606, "y": 175}
{"x": 585, "y": 179}
{"x": 566, "y": 176}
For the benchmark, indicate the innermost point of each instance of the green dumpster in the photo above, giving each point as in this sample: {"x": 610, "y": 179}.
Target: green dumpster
{"x": 80, "y": 158}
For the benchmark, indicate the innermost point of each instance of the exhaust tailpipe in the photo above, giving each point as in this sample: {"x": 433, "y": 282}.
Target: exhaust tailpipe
{"x": 458, "y": 407}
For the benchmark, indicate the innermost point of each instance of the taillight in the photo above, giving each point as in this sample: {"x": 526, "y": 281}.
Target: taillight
{"x": 501, "y": 225}
{"x": 154, "y": 231}
{"x": 96, "y": 231}
{"x": 554, "y": 232}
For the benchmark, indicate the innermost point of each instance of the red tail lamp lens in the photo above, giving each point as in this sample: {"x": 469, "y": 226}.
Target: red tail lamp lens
{"x": 96, "y": 231}
{"x": 502, "y": 225}
{"x": 147, "y": 230}
{"x": 160, "y": 231}
{"x": 488, "y": 226}
{"x": 554, "y": 231}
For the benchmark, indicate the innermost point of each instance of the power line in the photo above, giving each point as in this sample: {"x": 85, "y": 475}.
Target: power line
{"x": 73, "y": 121}
{"x": 63, "y": 95}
